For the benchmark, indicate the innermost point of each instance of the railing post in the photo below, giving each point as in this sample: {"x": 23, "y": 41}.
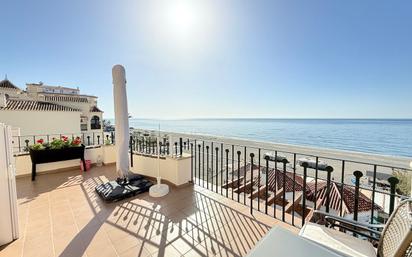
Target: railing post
{"x": 284, "y": 161}
{"x": 88, "y": 140}
{"x": 305, "y": 174}
{"x": 112, "y": 137}
{"x": 168, "y": 148}
{"x": 107, "y": 137}
{"x": 98, "y": 139}
{"x": 131, "y": 150}
{"x": 329, "y": 170}
{"x": 393, "y": 181}
{"x": 358, "y": 174}
{"x": 27, "y": 144}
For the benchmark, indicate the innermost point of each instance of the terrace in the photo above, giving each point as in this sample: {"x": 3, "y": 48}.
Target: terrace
{"x": 231, "y": 197}
{"x": 61, "y": 215}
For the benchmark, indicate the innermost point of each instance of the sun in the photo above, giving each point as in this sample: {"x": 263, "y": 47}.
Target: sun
{"x": 181, "y": 24}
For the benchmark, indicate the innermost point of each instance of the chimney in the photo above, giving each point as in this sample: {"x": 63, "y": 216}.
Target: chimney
{"x": 3, "y": 100}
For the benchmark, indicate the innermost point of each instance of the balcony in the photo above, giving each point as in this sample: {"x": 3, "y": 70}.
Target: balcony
{"x": 236, "y": 194}
{"x": 61, "y": 215}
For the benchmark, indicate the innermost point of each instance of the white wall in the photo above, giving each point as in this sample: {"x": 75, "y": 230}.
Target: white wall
{"x": 42, "y": 122}
{"x": 23, "y": 162}
{"x": 174, "y": 170}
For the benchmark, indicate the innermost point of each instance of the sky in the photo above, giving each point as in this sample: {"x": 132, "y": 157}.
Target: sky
{"x": 219, "y": 58}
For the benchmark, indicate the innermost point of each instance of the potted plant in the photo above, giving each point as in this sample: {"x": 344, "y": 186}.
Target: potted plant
{"x": 59, "y": 149}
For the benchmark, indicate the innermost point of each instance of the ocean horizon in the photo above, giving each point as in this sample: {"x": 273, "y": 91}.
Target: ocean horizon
{"x": 377, "y": 136}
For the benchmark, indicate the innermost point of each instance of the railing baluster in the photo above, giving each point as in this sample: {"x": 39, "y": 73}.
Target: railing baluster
{"x": 176, "y": 150}
{"x": 305, "y": 174}
{"x": 221, "y": 168}
{"x": 373, "y": 193}
{"x": 217, "y": 169}
{"x": 233, "y": 165}
{"x": 329, "y": 171}
{"x": 316, "y": 183}
{"x": 203, "y": 163}
{"x": 181, "y": 146}
{"x": 341, "y": 188}
{"x": 266, "y": 184}
{"x": 195, "y": 166}
{"x": 284, "y": 161}
{"x": 211, "y": 164}
{"x": 199, "y": 147}
{"x": 238, "y": 175}
{"x": 275, "y": 182}
{"x": 293, "y": 189}
{"x": 358, "y": 174}
{"x": 227, "y": 172}
{"x": 131, "y": 150}
{"x": 207, "y": 166}
{"x": 191, "y": 161}
{"x": 244, "y": 169}
{"x": 258, "y": 196}
{"x": 252, "y": 155}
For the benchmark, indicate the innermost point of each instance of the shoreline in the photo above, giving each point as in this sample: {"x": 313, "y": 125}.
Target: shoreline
{"x": 353, "y": 160}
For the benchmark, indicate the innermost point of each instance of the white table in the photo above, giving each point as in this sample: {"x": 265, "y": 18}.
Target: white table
{"x": 280, "y": 242}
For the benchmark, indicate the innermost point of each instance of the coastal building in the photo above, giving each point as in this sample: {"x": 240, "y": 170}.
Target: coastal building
{"x": 43, "y": 109}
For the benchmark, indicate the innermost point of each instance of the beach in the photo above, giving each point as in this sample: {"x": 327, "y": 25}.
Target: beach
{"x": 352, "y": 160}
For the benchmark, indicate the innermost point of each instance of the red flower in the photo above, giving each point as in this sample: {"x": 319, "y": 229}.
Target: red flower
{"x": 40, "y": 141}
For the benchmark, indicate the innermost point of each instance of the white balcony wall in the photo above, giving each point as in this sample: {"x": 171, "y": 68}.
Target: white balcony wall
{"x": 174, "y": 170}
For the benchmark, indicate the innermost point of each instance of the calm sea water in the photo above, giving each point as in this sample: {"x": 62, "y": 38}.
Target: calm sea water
{"x": 388, "y": 137}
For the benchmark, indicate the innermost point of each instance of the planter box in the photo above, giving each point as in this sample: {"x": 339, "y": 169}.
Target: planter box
{"x": 55, "y": 155}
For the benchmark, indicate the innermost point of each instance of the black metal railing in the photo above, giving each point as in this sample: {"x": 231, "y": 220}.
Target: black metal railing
{"x": 21, "y": 143}
{"x": 290, "y": 186}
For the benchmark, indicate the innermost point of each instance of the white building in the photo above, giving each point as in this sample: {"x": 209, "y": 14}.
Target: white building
{"x": 47, "y": 110}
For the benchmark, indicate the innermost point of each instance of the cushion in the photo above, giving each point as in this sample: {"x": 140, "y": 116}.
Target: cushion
{"x": 337, "y": 241}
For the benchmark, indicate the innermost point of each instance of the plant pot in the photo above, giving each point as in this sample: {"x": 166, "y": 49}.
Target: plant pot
{"x": 55, "y": 155}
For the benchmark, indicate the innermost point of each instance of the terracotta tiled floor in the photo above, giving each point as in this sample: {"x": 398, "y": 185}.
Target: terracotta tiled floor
{"x": 60, "y": 215}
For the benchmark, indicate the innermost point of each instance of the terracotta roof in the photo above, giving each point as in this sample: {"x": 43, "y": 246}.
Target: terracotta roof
{"x": 7, "y": 84}
{"x": 95, "y": 109}
{"x": 276, "y": 181}
{"x": 65, "y": 98}
{"x": 347, "y": 198}
{"x": 30, "y": 105}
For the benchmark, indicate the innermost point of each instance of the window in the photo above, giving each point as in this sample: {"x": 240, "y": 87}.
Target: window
{"x": 95, "y": 123}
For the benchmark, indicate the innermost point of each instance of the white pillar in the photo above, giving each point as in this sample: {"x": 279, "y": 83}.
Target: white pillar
{"x": 121, "y": 116}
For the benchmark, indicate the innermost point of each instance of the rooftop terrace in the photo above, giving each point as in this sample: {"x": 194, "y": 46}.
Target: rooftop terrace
{"x": 61, "y": 215}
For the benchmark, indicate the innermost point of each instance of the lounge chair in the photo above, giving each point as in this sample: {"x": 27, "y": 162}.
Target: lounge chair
{"x": 394, "y": 240}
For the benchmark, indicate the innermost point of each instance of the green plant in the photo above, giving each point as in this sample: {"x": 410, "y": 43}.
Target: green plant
{"x": 404, "y": 186}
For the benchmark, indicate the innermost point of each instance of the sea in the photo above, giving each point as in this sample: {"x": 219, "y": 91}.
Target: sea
{"x": 377, "y": 136}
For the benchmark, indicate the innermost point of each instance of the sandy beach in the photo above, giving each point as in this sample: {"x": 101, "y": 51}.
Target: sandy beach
{"x": 352, "y": 160}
